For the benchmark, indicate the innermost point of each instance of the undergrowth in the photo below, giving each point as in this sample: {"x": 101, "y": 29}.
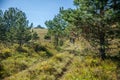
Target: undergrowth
{"x": 47, "y": 70}
{"x": 14, "y": 59}
{"x": 89, "y": 68}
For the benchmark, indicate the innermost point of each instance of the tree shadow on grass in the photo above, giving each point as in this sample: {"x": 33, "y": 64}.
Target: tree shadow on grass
{"x": 116, "y": 59}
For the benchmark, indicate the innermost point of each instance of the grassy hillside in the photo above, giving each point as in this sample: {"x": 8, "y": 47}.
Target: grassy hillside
{"x": 73, "y": 62}
{"x": 41, "y": 33}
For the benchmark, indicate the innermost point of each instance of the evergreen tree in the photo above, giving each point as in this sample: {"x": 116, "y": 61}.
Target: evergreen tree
{"x": 96, "y": 19}
{"x": 56, "y": 27}
{"x": 23, "y": 29}
{"x": 14, "y": 27}
{"x": 2, "y": 27}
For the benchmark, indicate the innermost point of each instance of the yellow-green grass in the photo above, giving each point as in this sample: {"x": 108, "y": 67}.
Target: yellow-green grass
{"x": 39, "y": 67}
{"x": 47, "y": 70}
{"x": 41, "y": 33}
{"x": 88, "y": 68}
{"x": 114, "y": 47}
{"x": 14, "y": 61}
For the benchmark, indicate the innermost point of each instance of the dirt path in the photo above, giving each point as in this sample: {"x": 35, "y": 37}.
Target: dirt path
{"x": 64, "y": 70}
{"x": 72, "y": 49}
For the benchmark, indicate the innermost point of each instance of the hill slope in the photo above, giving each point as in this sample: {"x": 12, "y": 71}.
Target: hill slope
{"x": 73, "y": 62}
{"x": 41, "y": 33}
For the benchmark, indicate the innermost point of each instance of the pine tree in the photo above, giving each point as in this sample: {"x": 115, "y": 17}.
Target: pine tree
{"x": 56, "y": 27}
{"x": 16, "y": 28}
{"x": 96, "y": 19}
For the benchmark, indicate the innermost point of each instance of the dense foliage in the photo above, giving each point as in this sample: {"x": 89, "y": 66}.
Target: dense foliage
{"x": 14, "y": 27}
{"x": 97, "y": 21}
{"x": 56, "y": 28}
{"x": 92, "y": 27}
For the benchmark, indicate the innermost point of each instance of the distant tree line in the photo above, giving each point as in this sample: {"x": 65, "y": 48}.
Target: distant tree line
{"x": 39, "y": 26}
{"x": 15, "y": 28}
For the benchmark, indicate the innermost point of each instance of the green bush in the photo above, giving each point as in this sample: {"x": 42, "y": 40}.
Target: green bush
{"x": 58, "y": 48}
{"x": 48, "y": 53}
{"x": 1, "y": 71}
{"x": 47, "y": 37}
{"x": 42, "y": 54}
{"x": 61, "y": 42}
{"x": 5, "y": 53}
{"x": 38, "y": 47}
{"x": 21, "y": 49}
{"x": 45, "y": 54}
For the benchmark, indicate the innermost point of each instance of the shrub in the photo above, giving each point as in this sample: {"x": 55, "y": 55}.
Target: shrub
{"x": 5, "y": 53}
{"x": 58, "y": 57}
{"x": 42, "y": 54}
{"x": 47, "y": 37}
{"x": 38, "y": 47}
{"x": 1, "y": 71}
{"x": 48, "y": 53}
{"x": 58, "y": 48}
{"x": 22, "y": 49}
{"x": 61, "y": 42}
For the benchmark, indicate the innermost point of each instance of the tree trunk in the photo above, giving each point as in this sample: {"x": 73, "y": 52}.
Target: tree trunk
{"x": 102, "y": 34}
{"x": 56, "y": 41}
{"x": 20, "y": 43}
{"x": 102, "y": 46}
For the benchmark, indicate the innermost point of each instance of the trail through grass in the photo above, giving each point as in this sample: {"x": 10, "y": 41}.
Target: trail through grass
{"x": 73, "y": 62}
